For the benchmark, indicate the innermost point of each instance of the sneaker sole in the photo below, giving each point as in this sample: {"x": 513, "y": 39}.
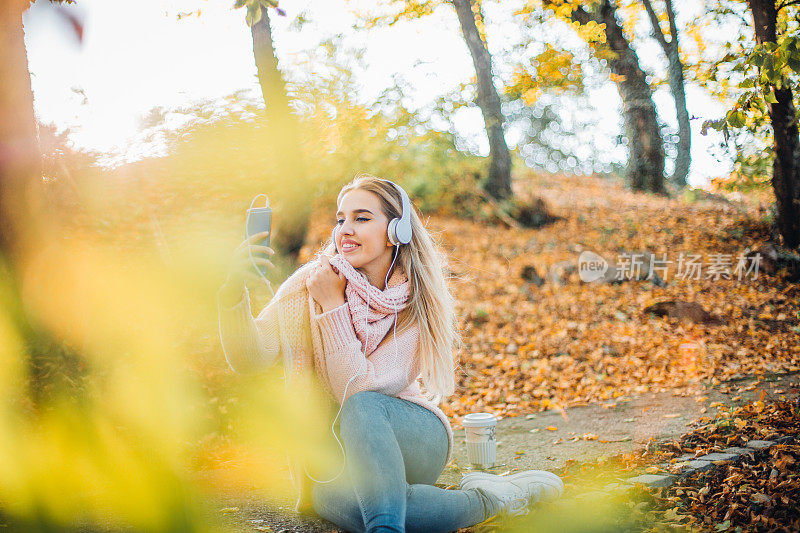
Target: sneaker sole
{"x": 550, "y": 479}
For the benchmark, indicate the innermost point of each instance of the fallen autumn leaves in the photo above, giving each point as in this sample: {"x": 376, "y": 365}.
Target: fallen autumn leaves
{"x": 757, "y": 493}
{"x": 528, "y": 347}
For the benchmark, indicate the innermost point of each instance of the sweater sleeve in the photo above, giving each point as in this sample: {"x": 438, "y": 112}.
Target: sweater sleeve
{"x": 248, "y": 344}
{"x": 383, "y": 371}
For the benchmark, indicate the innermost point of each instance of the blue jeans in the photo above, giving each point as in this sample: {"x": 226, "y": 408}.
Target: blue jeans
{"x": 396, "y": 450}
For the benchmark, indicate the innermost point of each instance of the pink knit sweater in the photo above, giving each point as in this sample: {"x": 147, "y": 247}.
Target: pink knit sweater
{"x": 254, "y": 344}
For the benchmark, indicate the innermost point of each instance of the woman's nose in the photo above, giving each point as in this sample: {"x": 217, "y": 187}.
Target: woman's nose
{"x": 346, "y": 229}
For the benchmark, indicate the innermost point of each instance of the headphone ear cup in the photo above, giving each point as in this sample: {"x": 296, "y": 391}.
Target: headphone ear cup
{"x": 403, "y": 233}
{"x": 390, "y": 231}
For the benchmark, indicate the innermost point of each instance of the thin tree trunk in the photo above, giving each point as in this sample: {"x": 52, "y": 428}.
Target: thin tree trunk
{"x": 21, "y": 191}
{"x": 646, "y": 148}
{"x": 683, "y": 158}
{"x": 22, "y": 217}
{"x": 782, "y": 114}
{"x": 294, "y": 209}
{"x": 498, "y": 185}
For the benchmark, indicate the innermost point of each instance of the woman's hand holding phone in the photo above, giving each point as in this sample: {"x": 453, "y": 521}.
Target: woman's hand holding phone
{"x": 241, "y": 268}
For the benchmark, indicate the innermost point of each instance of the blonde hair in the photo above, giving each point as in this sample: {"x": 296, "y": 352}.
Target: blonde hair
{"x": 430, "y": 304}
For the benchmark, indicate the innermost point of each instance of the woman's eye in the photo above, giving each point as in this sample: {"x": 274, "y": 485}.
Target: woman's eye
{"x": 362, "y": 218}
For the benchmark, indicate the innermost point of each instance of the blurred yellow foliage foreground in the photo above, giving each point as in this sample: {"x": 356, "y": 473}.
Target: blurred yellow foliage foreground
{"x": 116, "y": 393}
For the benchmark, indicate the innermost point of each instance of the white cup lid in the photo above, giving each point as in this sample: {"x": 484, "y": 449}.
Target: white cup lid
{"x": 477, "y": 420}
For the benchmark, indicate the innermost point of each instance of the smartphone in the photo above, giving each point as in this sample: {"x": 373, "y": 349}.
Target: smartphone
{"x": 259, "y": 219}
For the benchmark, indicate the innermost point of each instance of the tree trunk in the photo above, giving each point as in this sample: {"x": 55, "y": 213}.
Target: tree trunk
{"x": 646, "y": 148}
{"x": 293, "y": 207}
{"x": 786, "y": 168}
{"x": 20, "y": 162}
{"x": 683, "y": 158}
{"x": 498, "y": 184}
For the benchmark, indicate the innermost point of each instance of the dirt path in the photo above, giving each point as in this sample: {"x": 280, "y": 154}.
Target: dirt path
{"x": 626, "y": 425}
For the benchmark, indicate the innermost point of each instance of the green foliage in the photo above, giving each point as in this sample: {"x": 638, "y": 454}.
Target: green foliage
{"x": 767, "y": 67}
{"x": 385, "y": 138}
{"x": 750, "y": 173}
{"x": 745, "y": 74}
{"x": 223, "y": 156}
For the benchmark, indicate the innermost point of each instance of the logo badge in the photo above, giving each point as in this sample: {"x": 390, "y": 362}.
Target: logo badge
{"x": 591, "y": 266}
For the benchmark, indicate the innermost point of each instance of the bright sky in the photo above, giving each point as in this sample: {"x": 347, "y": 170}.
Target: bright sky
{"x": 138, "y": 56}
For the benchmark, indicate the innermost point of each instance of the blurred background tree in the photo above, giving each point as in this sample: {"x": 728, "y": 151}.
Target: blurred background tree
{"x": 597, "y": 22}
{"x": 292, "y": 206}
{"x": 671, "y": 48}
{"x": 756, "y": 73}
{"x": 20, "y": 164}
{"x": 498, "y": 183}
{"x": 470, "y": 18}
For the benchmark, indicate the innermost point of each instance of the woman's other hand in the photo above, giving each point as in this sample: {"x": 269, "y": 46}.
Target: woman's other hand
{"x": 241, "y": 268}
{"x": 326, "y": 285}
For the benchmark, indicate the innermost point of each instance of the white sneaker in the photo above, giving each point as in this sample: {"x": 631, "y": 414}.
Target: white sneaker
{"x": 536, "y": 484}
{"x": 508, "y": 499}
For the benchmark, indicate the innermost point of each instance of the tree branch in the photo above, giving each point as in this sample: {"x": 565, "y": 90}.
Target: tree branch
{"x": 579, "y": 14}
{"x": 657, "y": 33}
{"x": 673, "y": 27}
{"x": 786, "y": 4}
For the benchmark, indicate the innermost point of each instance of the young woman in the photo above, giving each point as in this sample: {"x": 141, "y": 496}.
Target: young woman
{"x": 369, "y": 317}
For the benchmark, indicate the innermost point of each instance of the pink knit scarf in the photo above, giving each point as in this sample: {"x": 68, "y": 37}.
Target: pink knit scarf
{"x": 374, "y": 320}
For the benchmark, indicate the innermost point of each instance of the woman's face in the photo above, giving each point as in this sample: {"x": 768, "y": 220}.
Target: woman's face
{"x": 360, "y": 220}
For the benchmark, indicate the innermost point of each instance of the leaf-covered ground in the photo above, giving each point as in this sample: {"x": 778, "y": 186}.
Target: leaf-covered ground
{"x": 759, "y": 493}
{"x": 530, "y": 347}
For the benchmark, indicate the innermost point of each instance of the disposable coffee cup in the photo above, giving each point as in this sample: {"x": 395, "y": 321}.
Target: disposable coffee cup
{"x": 481, "y": 442}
